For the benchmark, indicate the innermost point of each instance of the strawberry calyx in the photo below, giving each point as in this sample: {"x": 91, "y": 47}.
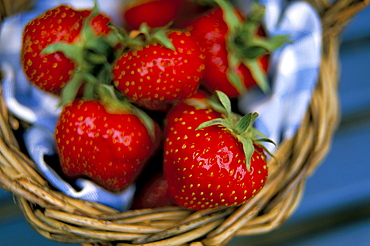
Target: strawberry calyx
{"x": 145, "y": 35}
{"x": 115, "y": 103}
{"x": 240, "y": 126}
{"x": 91, "y": 54}
{"x": 245, "y": 46}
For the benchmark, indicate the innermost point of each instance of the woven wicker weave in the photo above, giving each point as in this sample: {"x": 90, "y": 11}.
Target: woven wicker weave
{"x": 63, "y": 219}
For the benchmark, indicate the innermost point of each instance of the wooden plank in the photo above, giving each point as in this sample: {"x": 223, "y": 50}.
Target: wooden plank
{"x": 354, "y": 85}
{"x": 359, "y": 27}
{"x": 18, "y": 232}
{"x": 339, "y": 228}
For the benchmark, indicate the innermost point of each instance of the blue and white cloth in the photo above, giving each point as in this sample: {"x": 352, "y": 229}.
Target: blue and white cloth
{"x": 293, "y": 74}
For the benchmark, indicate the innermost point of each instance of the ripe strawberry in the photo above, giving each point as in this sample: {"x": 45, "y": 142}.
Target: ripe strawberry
{"x": 155, "y": 13}
{"x": 211, "y": 160}
{"x": 155, "y": 194}
{"x": 191, "y": 10}
{"x": 106, "y": 142}
{"x": 160, "y": 74}
{"x": 61, "y": 43}
{"x": 236, "y": 50}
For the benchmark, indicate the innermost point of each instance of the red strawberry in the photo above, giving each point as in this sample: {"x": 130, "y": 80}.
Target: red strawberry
{"x": 236, "y": 50}
{"x": 219, "y": 163}
{"x": 155, "y": 76}
{"x": 107, "y": 143}
{"x": 155, "y": 194}
{"x": 191, "y": 10}
{"x": 155, "y": 13}
{"x": 57, "y": 43}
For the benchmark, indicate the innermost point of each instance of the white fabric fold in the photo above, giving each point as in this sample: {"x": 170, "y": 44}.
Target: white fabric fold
{"x": 293, "y": 72}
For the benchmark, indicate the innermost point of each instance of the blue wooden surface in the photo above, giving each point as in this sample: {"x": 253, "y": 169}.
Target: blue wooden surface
{"x": 335, "y": 208}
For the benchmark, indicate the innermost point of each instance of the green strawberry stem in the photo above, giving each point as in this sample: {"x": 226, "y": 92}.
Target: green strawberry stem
{"x": 70, "y": 91}
{"x": 145, "y": 35}
{"x": 240, "y": 126}
{"x": 158, "y": 35}
{"x": 115, "y": 102}
{"x": 245, "y": 47}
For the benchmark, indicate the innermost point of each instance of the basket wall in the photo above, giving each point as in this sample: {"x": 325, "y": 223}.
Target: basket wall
{"x": 63, "y": 219}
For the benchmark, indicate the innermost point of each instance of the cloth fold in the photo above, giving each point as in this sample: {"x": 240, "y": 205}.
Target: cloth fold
{"x": 293, "y": 72}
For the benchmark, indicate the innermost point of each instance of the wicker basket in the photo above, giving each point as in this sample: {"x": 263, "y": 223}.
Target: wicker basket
{"x": 63, "y": 219}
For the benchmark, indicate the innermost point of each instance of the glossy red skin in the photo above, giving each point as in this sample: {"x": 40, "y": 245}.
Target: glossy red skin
{"x": 110, "y": 148}
{"x": 156, "y": 77}
{"x": 210, "y": 30}
{"x": 206, "y": 168}
{"x": 50, "y": 72}
{"x": 155, "y": 13}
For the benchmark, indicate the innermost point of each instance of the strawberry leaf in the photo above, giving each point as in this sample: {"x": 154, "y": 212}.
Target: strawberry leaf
{"x": 164, "y": 40}
{"x": 267, "y": 45}
{"x": 258, "y": 133}
{"x": 119, "y": 34}
{"x": 258, "y": 74}
{"x": 245, "y": 122}
{"x": 147, "y": 121}
{"x": 257, "y": 12}
{"x": 234, "y": 79}
{"x": 264, "y": 140}
{"x": 72, "y": 51}
{"x": 158, "y": 35}
{"x": 90, "y": 86}
{"x": 230, "y": 17}
{"x": 225, "y": 101}
{"x": 108, "y": 95}
{"x": 218, "y": 121}
{"x": 217, "y": 106}
{"x": 89, "y": 91}
{"x": 71, "y": 89}
{"x": 248, "y": 149}
{"x": 87, "y": 32}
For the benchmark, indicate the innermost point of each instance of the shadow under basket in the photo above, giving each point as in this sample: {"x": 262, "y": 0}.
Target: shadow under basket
{"x": 67, "y": 220}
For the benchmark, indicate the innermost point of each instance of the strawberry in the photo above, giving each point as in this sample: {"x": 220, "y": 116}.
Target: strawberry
{"x": 62, "y": 44}
{"x": 106, "y": 141}
{"x": 160, "y": 73}
{"x": 155, "y": 13}
{"x": 211, "y": 158}
{"x": 236, "y": 49}
{"x": 155, "y": 194}
{"x": 191, "y": 10}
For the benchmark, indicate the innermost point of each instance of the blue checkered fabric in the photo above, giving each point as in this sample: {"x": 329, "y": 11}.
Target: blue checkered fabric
{"x": 293, "y": 73}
